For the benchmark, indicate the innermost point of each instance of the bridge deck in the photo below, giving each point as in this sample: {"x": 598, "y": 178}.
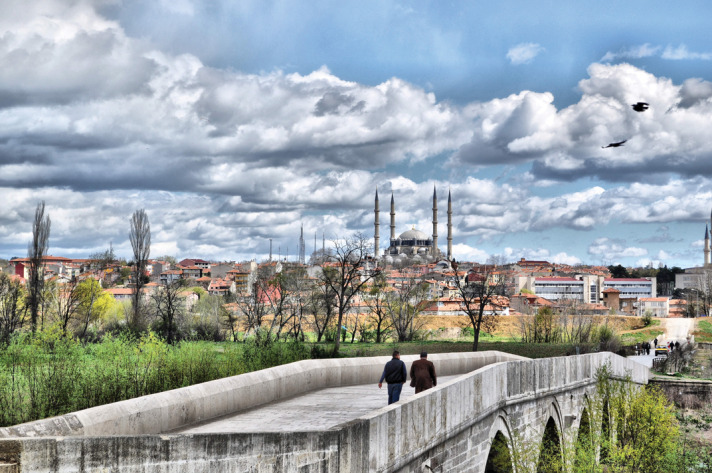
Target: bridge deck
{"x": 314, "y": 411}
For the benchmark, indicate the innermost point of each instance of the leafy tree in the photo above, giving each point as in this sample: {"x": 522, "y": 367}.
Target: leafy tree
{"x": 36, "y": 251}
{"x": 618, "y": 271}
{"x": 94, "y": 304}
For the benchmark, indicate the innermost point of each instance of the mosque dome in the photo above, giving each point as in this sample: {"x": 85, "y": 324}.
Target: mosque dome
{"x": 413, "y": 234}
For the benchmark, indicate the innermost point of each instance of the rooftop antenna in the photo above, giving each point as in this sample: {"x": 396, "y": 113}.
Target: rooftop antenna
{"x": 270, "y": 249}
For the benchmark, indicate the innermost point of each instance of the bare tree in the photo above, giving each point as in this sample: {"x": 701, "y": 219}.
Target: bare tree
{"x": 476, "y": 292}
{"x": 140, "y": 237}
{"x": 344, "y": 276}
{"x": 169, "y": 307}
{"x": 404, "y": 304}
{"x": 321, "y": 304}
{"x": 36, "y": 251}
{"x": 65, "y": 302}
{"x": 375, "y": 298}
{"x": 255, "y": 305}
{"x": 13, "y": 309}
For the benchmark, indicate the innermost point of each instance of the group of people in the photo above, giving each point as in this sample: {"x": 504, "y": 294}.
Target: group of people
{"x": 422, "y": 376}
{"x": 642, "y": 349}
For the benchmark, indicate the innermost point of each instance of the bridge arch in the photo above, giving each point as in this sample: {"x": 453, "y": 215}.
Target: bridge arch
{"x": 499, "y": 458}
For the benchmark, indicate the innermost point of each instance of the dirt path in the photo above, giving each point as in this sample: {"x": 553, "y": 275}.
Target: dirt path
{"x": 677, "y": 329}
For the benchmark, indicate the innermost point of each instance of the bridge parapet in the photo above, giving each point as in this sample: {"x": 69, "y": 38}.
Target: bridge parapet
{"x": 448, "y": 428}
{"x": 469, "y": 405}
{"x": 172, "y": 410}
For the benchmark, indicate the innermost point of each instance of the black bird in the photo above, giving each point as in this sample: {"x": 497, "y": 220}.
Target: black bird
{"x": 640, "y": 106}
{"x": 614, "y": 145}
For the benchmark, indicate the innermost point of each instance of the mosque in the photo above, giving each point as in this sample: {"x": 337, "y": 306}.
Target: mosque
{"x": 414, "y": 243}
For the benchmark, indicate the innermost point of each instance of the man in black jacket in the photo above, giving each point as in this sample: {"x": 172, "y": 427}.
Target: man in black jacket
{"x": 395, "y": 375}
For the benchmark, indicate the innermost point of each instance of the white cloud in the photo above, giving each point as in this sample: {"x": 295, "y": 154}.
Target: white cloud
{"x": 633, "y": 52}
{"x": 682, "y": 53}
{"x": 614, "y": 249}
{"x": 524, "y": 53}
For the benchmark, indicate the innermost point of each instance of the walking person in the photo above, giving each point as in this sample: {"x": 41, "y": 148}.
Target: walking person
{"x": 655, "y": 342}
{"x": 422, "y": 374}
{"x": 395, "y": 374}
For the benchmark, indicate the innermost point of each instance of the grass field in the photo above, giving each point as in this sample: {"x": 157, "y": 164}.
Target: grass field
{"x": 703, "y": 331}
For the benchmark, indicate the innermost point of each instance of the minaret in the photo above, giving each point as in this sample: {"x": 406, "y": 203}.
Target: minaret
{"x": 393, "y": 218}
{"x": 435, "y": 224}
{"x": 449, "y": 226}
{"x": 376, "y": 236}
{"x": 707, "y": 247}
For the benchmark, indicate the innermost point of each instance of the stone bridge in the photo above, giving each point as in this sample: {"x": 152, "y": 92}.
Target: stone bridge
{"x": 482, "y": 398}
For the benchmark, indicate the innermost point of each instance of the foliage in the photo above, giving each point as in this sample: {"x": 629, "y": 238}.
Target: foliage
{"x": 49, "y": 374}
{"x": 623, "y": 428}
{"x": 13, "y": 307}
{"x": 36, "y": 251}
{"x": 647, "y": 318}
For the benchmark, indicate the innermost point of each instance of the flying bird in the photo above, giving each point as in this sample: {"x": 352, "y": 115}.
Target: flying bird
{"x": 640, "y": 106}
{"x": 614, "y": 145}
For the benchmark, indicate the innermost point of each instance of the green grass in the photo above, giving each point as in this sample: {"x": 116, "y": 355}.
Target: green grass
{"x": 703, "y": 333}
{"x": 640, "y": 336}
{"x": 530, "y": 350}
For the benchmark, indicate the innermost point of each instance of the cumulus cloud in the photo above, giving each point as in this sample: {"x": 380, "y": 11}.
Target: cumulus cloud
{"x": 524, "y": 53}
{"x": 99, "y": 123}
{"x": 614, "y": 249}
{"x": 566, "y": 144}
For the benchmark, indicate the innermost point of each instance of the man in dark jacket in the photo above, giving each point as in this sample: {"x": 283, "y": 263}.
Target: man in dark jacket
{"x": 422, "y": 374}
{"x": 395, "y": 375}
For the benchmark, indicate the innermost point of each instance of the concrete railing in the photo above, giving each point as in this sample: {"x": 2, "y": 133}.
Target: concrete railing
{"x": 172, "y": 410}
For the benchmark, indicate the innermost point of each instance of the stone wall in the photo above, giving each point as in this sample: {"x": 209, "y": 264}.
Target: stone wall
{"x": 686, "y": 393}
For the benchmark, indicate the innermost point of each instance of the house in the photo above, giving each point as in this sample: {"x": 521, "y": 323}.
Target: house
{"x": 656, "y": 306}
{"x": 678, "y": 308}
{"x": 221, "y": 287}
{"x": 170, "y": 276}
{"x": 120, "y": 293}
{"x": 192, "y": 272}
{"x": 202, "y": 264}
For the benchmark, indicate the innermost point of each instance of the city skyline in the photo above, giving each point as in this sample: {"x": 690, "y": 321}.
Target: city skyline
{"x": 235, "y": 125}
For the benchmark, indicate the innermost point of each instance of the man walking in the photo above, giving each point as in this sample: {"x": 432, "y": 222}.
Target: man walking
{"x": 395, "y": 375}
{"x": 422, "y": 374}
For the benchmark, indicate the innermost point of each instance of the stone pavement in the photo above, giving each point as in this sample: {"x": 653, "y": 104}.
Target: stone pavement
{"x": 314, "y": 411}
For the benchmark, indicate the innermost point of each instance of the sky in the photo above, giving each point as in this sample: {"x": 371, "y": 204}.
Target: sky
{"x": 236, "y": 123}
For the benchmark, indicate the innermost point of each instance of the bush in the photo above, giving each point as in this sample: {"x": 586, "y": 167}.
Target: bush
{"x": 647, "y": 319}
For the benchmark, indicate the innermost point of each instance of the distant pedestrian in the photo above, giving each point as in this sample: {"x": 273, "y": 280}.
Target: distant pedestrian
{"x": 395, "y": 375}
{"x": 422, "y": 374}
{"x": 671, "y": 347}
{"x": 677, "y": 345}
{"x": 647, "y": 351}
{"x": 655, "y": 342}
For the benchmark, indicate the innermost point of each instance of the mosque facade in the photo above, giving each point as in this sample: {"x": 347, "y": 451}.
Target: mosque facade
{"x": 413, "y": 243}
